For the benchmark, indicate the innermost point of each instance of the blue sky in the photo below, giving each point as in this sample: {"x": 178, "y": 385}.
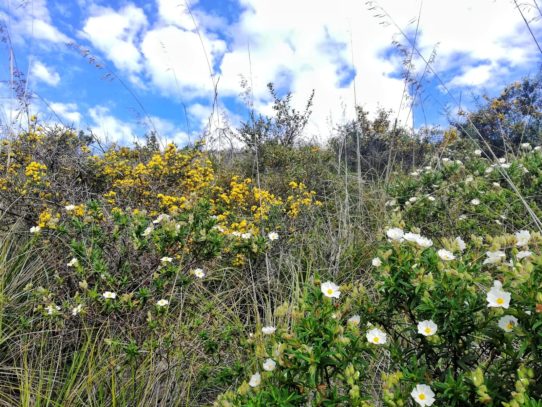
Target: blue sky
{"x": 160, "y": 60}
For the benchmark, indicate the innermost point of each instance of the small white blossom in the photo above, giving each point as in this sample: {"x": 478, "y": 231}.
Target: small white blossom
{"x": 395, "y": 233}
{"x": 523, "y": 237}
{"x": 147, "y": 232}
{"x": 507, "y": 323}
{"x": 162, "y": 303}
{"x": 424, "y": 242}
{"x": 423, "y": 395}
{"x": 269, "y": 365}
{"x": 77, "y": 310}
{"x": 376, "y": 262}
{"x": 498, "y": 298}
{"x": 161, "y": 218}
{"x": 427, "y": 328}
{"x": 108, "y": 295}
{"x": 475, "y": 202}
{"x": 69, "y": 208}
{"x": 376, "y": 336}
{"x": 460, "y": 243}
{"x": 330, "y": 289}
{"x": 268, "y": 330}
{"x": 166, "y": 259}
{"x": 462, "y": 217}
{"x": 494, "y": 257}
{"x": 525, "y": 146}
{"x": 470, "y": 178}
{"x": 354, "y": 320}
{"x": 273, "y": 236}
{"x": 502, "y": 160}
{"x": 537, "y": 148}
{"x": 445, "y": 255}
{"x": 51, "y": 309}
{"x": 524, "y": 253}
{"x": 35, "y": 229}
{"x": 73, "y": 262}
{"x": 411, "y": 237}
{"x": 431, "y": 198}
{"x": 255, "y": 380}
{"x": 413, "y": 199}
{"x": 198, "y": 272}
{"x": 247, "y": 235}
{"x": 478, "y": 152}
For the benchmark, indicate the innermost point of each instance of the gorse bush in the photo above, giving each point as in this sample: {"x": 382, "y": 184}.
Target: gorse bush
{"x": 461, "y": 325}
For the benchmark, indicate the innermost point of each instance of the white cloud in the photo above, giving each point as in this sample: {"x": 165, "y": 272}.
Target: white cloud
{"x": 44, "y": 73}
{"x": 109, "y": 128}
{"x": 176, "y": 62}
{"x": 67, "y": 111}
{"x": 115, "y": 33}
{"x": 32, "y": 19}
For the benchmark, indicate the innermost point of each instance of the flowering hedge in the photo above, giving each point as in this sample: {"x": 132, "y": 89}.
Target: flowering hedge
{"x": 456, "y": 325}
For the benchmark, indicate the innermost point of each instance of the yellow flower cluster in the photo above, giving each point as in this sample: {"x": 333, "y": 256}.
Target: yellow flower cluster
{"x": 300, "y": 198}
{"x": 48, "y": 220}
{"x": 35, "y": 171}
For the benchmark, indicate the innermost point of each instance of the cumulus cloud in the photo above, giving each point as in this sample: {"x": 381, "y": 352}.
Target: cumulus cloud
{"x": 43, "y": 73}
{"x": 109, "y": 128}
{"x": 115, "y": 33}
{"x": 66, "y": 111}
{"x": 32, "y": 19}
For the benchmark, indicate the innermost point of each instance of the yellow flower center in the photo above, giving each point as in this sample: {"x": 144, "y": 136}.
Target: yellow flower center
{"x": 500, "y": 301}
{"x": 510, "y": 325}
{"x": 421, "y": 396}
{"x": 376, "y": 339}
{"x": 427, "y": 330}
{"x": 329, "y": 291}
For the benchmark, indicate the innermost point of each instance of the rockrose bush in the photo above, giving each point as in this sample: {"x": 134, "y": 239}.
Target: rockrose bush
{"x": 451, "y": 322}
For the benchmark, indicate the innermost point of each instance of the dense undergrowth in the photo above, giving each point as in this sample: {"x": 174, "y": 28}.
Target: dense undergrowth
{"x": 278, "y": 275}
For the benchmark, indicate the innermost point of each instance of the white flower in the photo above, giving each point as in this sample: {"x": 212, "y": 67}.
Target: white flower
{"x": 478, "y": 152}
{"x": 269, "y": 365}
{"x": 255, "y": 380}
{"x": 51, "y": 309}
{"x": 73, "y": 262}
{"x": 475, "y": 202}
{"x": 395, "y": 233}
{"x": 354, "y": 320}
{"x": 497, "y": 298}
{"x": 523, "y": 237}
{"x": 460, "y": 243}
{"x": 166, "y": 259}
{"x": 427, "y": 328}
{"x": 525, "y": 146}
{"x": 330, "y": 289}
{"x": 470, "y": 178}
{"x": 424, "y": 242}
{"x": 247, "y": 235}
{"x": 162, "y": 303}
{"x": 35, "y": 229}
{"x": 496, "y": 185}
{"x": 494, "y": 257}
{"x": 505, "y": 166}
{"x": 413, "y": 199}
{"x": 69, "y": 208}
{"x": 497, "y": 284}
{"x": 524, "y": 253}
{"x": 160, "y": 218}
{"x": 459, "y": 162}
{"x": 462, "y": 217}
{"x": 411, "y": 237}
{"x": 236, "y": 233}
{"x": 376, "y": 336}
{"x": 431, "y": 198}
{"x": 77, "y": 310}
{"x": 489, "y": 170}
{"x": 199, "y": 273}
{"x": 445, "y": 160}
{"x": 502, "y": 160}
{"x": 423, "y": 395}
{"x": 273, "y": 236}
{"x": 148, "y": 231}
{"x": 268, "y": 330}
{"x": 537, "y": 148}
{"x": 445, "y": 255}
{"x": 108, "y": 295}
{"x": 376, "y": 262}
{"x": 507, "y": 323}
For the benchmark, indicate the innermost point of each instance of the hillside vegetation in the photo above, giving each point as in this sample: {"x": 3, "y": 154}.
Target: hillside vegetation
{"x": 385, "y": 268}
